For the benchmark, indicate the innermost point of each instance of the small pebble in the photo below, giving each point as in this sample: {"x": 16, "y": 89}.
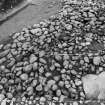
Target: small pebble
{"x": 35, "y": 66}
{"x": 78, "y": 82}
{"x": 34, "y": 82}
{"x": 39, "y": 87}
{"x": 10, "y": 95}
{"x": 2, "y": 96}
{"x": 86, "y": 59}
{"x": 61, "y": 83}
{"x": 54, "y": 87}
{"x": 51, "y": 82}
{"x": 24, "y": 77}
{"x": 33, "y": 58}
{"x": 96, "y": 60}
{"x": 41, "y": 53}
{"x": 58, "y": 93}
{"x": 75, "y": 103}
{"x": 28, "y": 68}
{"x": 42, "y": 99}
{"x": 30, "y": 90}
{"x": 3, "y": 102}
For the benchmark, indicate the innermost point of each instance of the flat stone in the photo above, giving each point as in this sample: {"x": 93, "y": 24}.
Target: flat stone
{"x": 94, "y": 86}
{"x": 1, "y": 97}
{"x": 24, "y": 76}
{"x": 96, "y": 60}
{"x": 28, "y": 68}
{"x": 3, "y": 102}
{"x": 33, "y": 58}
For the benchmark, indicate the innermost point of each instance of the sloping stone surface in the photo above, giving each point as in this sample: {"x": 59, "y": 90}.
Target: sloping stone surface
{"x": 94, "y": 86}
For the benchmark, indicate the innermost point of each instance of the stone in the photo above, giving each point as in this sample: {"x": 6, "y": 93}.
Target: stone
{"x": 69, "y": 27}
{"x": 2, "y": 60}
{"x": 2, "y": 68}
{"x": 1, "y": 46}
{"x": 58, "y": 92}
{"x": 15, "y": 35}
{"x": 39, "y": 87}
{"x": 24, "y": 76}
{"x": 36, "y": 31}
{"x": 78, "y": 82}
{"x": 3, "y": 102}
{"x": 9, "y": 95}
{"x": 21, "y": 38}
{"x": 91, "y": 88}
{"x": 54, "y": 87}
{"x": 11, "y": 63}
{"x": 34, "y": 82}
{"x": 48, "y": 74}
{"x": 7, "y": 47}
{"x": 41, "y": 53}
{"x": 28, "y": 68}
{"x": 33, "y": 58}
{"x": 42, "y": 99}
{"x": 96, "y": 88}
{"x": 4, "y": 80}
{"x": 30, "y": 90}
{"x": 2, "y": 96}
{"x": 35, "y": 66}
{"x": 51, "y": 82}
{"x": 96, "y": 60}
{"x": 42, "y": 60}
{"x": 75, "y": 103}
{"x": 101, "y": 84}
{"x": 86, "y": 59}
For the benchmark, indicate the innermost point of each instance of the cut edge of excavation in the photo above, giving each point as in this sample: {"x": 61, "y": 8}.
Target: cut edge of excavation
{"x": 13, "y": 12}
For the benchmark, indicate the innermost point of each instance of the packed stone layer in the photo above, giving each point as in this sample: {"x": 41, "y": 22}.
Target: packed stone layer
{"x": 47, "y": 61}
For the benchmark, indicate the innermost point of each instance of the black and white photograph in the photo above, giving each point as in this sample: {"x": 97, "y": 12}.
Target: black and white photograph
{"x": 52, "y": 52}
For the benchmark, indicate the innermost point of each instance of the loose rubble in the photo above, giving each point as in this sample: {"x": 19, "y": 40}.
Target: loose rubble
{"x": 51, "y": 61}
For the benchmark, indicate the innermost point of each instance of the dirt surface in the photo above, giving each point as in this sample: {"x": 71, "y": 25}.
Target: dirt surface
{"x": 39, "y": 10}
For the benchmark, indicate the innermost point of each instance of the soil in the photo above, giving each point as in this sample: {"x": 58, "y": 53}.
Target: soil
{"x": 33, "y": 13}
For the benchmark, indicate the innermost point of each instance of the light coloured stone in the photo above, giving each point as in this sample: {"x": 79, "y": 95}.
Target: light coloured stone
{"x": 24, "y": 77}
{"x": 34, "y": 82}
{"x": 94, "y": 86}
{"x": 35, "y": 66}
{"x": 33, "y": 58}
{"x": 75, "y": 103}
{"x": 78, "y": 82}
{"x": 39, "y": 87}
{"x": 54, "y": 87}
{"x": 41, "y": 53}
{"x": 9, "y": 95}
{"x": 30, "y": 90}
{"x": 2, "y": 60}
{"x": 28, "y": 68}
{"x": 91, "y": 88}
{"x": 51, "y": 82}
{"x": 101, "y": 84}
{"x": 58, "y": 92}
{"x": 42, "y": 99}
{"x": 86, "y": 59}
{"x": 96, "y": 60}
{"x": 4, "y": 102}
{"x": 1, "y": 97}
{"x": 42, "y": 60}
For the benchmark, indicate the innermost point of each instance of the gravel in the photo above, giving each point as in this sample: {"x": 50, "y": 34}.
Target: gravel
{"x": 49, "y": 60}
